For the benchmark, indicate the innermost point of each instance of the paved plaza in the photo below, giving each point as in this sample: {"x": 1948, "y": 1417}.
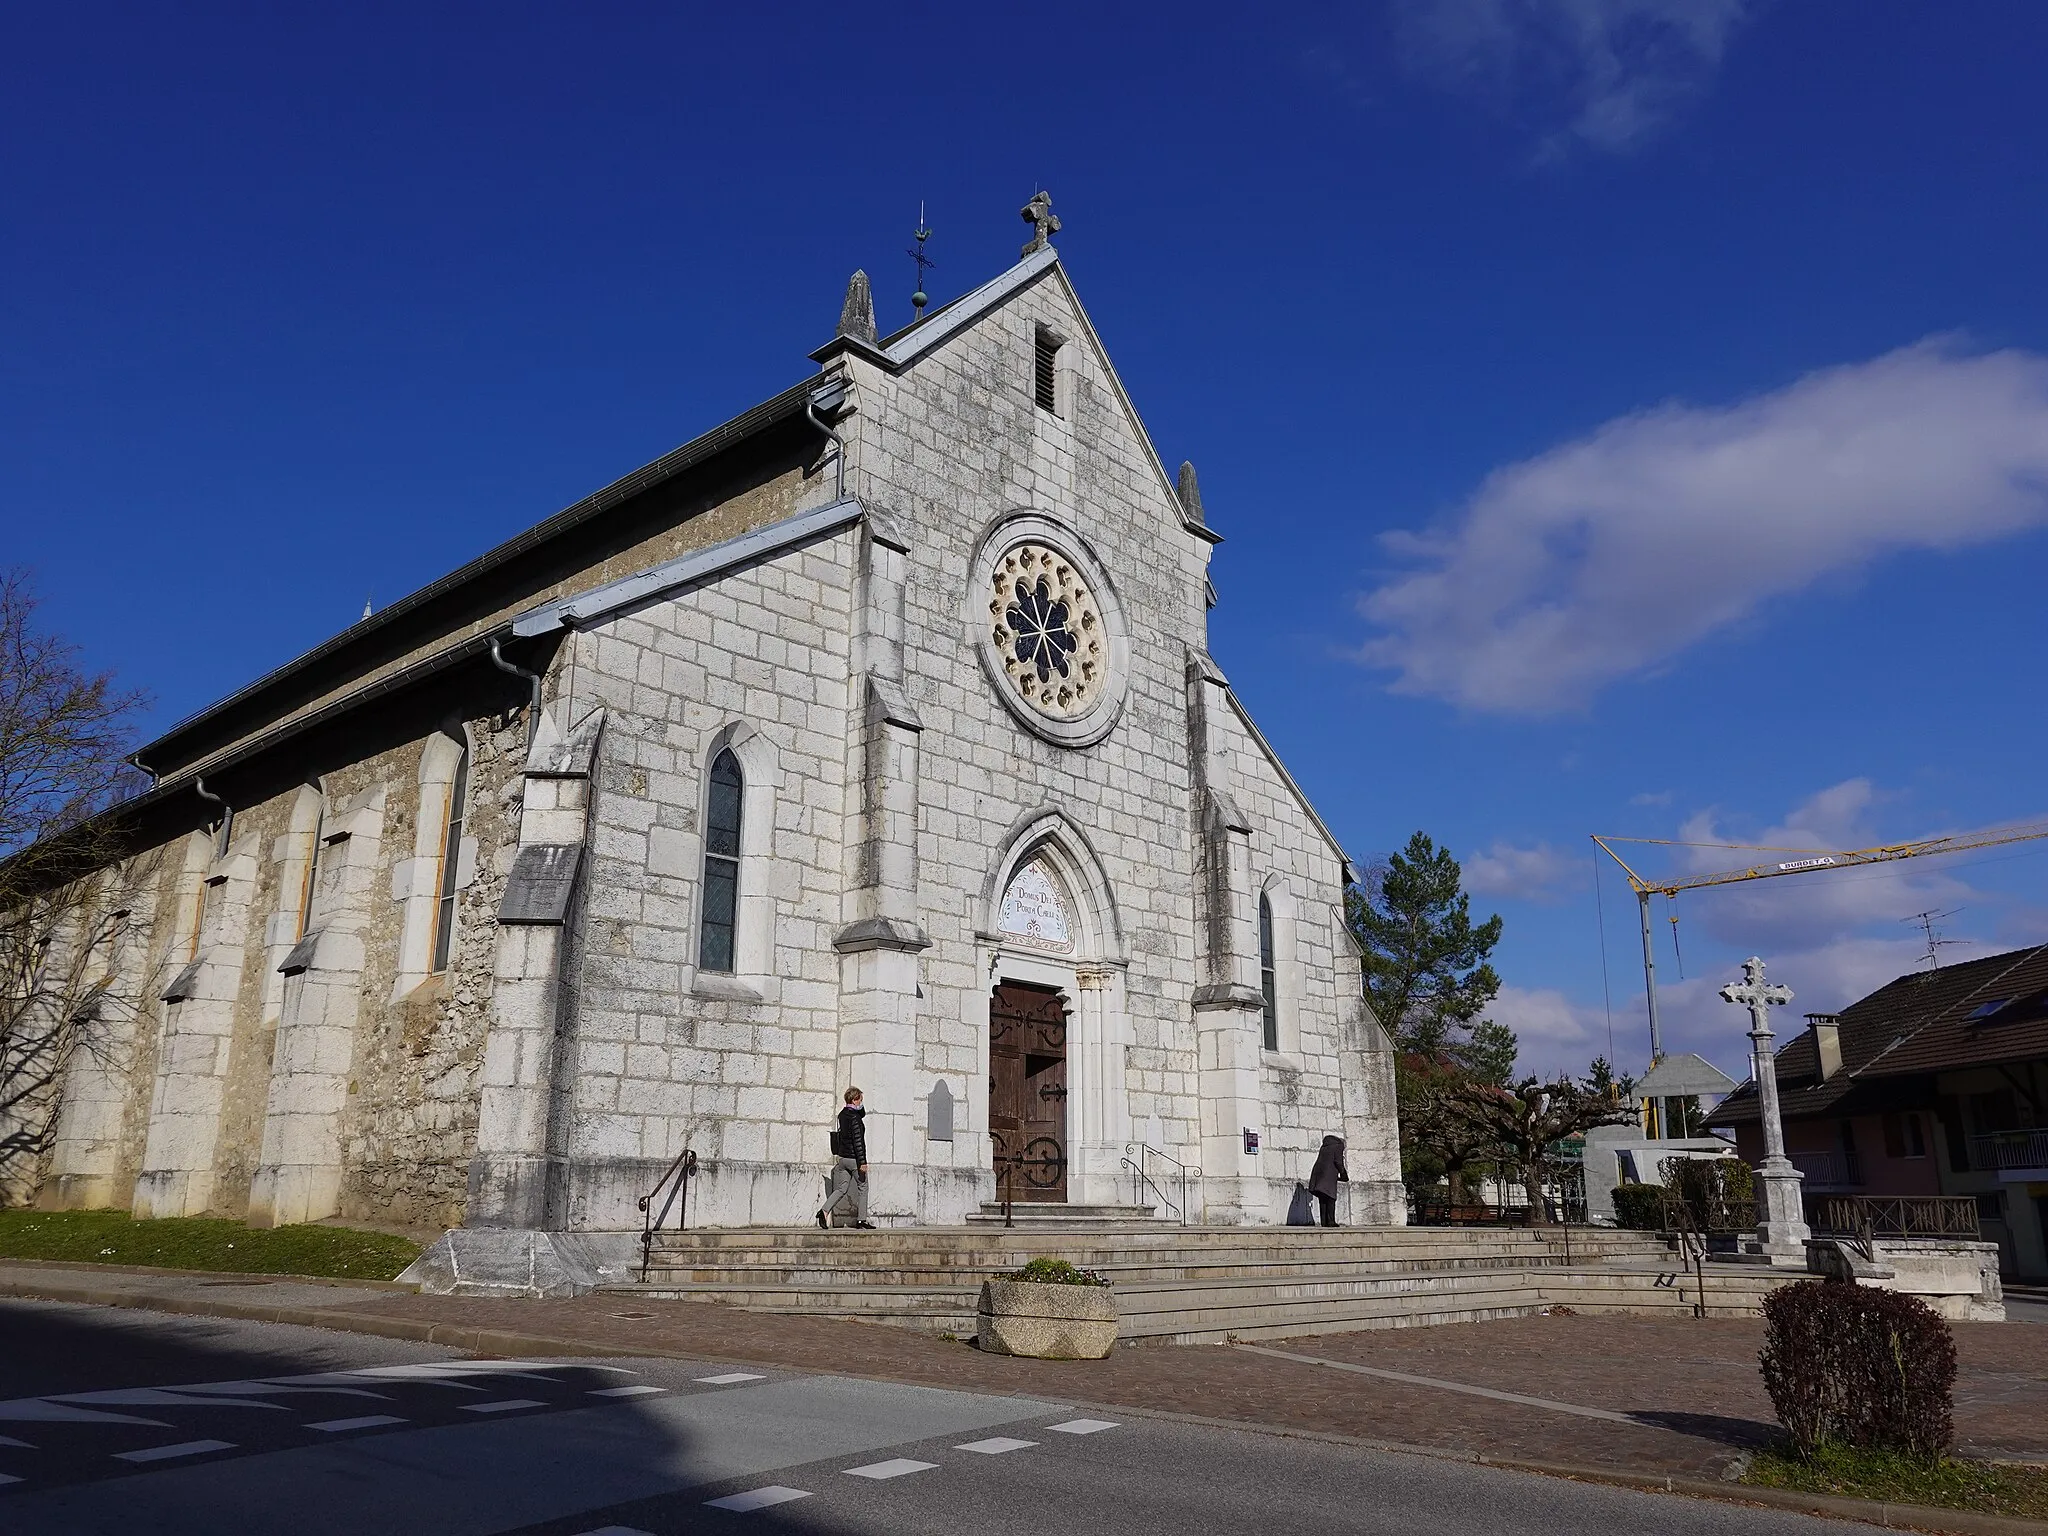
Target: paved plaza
{"x": 1678, "y": 1397}
{"x": 135, "y": 1421}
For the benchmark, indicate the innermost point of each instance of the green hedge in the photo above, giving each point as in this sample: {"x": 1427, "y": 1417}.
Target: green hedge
{"x": 1640, "y": 1206}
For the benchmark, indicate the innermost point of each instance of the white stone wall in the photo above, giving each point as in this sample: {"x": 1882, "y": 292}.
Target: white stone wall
{"x": 1326, "y": 1030}
{"x": 740, "y": 1068}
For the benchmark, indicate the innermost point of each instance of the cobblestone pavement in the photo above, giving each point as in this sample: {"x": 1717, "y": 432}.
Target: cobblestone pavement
{"x": 1687, "y": 1392}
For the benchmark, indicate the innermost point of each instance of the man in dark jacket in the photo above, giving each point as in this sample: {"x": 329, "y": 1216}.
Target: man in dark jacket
{"x": 1329, "y": 1172}
{"x": 850, "y": 1168}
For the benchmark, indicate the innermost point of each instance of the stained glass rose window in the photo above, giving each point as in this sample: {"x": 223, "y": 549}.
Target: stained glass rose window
{"x": 1048, "y": 630}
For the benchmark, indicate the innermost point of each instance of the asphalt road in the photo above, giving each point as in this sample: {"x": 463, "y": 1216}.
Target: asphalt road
{"x": 137, "y": 1423}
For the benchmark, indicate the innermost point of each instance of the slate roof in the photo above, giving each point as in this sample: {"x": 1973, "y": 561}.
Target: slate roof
{"x": 1973, "y": 1013}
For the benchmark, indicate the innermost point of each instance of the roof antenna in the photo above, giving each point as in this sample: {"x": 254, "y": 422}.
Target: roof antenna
{"x": 922, "y": 233}
{"x": 366, "y": 607}
{"x": 1935, "y": 942}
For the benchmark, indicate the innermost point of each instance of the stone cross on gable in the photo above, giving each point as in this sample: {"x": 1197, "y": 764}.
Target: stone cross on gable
{"x": 1753, "y": 993}
{"x": 1043, "y": 221}
{"x": 1781, "y": 1228}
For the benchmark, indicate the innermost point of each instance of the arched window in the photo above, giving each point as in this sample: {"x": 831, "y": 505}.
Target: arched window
{"x": 451, "y": 859}
{"x": 1268, "y": 985}
{"x": 721, "y": 865}
{"x": 312, "y": 862}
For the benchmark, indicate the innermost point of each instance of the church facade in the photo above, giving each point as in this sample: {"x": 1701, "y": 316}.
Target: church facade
{"x": 870, "y": 739}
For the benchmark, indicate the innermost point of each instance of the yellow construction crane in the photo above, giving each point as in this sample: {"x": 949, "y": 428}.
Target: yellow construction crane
{"x": 1804, "y": 861}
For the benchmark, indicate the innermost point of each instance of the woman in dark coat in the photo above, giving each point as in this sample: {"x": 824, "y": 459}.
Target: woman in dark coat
{"x": 1328, "y": 1173}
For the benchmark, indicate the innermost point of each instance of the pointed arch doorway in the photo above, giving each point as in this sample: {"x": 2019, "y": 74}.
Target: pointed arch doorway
{"x": 1027, "y": 1089}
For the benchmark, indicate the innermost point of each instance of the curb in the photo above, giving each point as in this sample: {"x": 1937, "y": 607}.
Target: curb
{"x": 484, "y": 1341}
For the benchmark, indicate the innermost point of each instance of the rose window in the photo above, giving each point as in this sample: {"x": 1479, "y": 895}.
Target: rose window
{"x": 1048, "y": 631}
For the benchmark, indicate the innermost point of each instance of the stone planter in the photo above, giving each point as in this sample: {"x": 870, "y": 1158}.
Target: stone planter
{"x": 1045, "y": 1322}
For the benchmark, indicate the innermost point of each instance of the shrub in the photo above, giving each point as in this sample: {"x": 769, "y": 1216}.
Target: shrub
{"x": 1640, "y": 1206}
{"x": 1851, "y": 1366}
{"x": 1055, "y": 1272}
{"x": 1712, "y": 1189}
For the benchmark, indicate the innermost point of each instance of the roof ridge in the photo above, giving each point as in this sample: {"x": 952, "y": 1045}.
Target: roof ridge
{"x": 2018, "y": 957}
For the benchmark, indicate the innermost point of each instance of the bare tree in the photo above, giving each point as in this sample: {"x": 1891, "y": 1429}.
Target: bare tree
{"x": 1527, "y": 1118}
{"x": 67, "y": 886}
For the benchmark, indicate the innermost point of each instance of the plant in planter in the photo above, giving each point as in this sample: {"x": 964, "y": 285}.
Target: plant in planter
{"x": 1048, "y": 1310}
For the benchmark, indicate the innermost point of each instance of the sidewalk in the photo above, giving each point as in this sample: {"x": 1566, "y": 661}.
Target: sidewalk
{"x": 1663, "y": 1397}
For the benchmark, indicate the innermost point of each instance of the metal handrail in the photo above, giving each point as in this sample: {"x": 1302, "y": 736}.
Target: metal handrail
{"x": 677, "y": 1182}
{"x": 1865, "y": 1218}
{"x": 1137, "y": 1158}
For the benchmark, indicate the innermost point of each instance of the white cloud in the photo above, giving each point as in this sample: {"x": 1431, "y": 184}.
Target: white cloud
{"x": 1606, "y": 556}
{"x": 1604, "y": 73}
{"x": 1833, "y": 937}
{"x": 1553, "y": 1033}
{"x": 1520, "y": 874}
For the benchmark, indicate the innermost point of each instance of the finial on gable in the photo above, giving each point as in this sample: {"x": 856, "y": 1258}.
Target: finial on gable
{"x": 1043, "y": 221}
{"x": 857, "y": 314}
{"x": 1191, "y": 494}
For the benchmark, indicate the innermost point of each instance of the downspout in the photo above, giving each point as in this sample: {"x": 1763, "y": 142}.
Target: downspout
{"x": 134, "y": 760}
{"x": 830, "y": 395}
{"x": 533, "y": 686}
{"x": 227, "y": 815}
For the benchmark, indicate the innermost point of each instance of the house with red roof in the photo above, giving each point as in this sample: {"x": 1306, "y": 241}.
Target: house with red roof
{"x": 1935, "y": 1084}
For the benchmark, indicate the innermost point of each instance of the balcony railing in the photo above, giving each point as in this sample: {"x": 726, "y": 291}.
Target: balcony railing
{"x": 1829, "y": 1170}
{"x": 2011, "y": 1149}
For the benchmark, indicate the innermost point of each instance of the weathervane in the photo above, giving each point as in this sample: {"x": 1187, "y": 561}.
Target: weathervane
{"x": 922, "y": 233}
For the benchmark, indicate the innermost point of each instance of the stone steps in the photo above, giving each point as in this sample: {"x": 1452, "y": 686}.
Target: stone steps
{"x": 1036, "y": 1215}
{"x": 1217, "y": 1311}
{"x": 1195, "y": 1284}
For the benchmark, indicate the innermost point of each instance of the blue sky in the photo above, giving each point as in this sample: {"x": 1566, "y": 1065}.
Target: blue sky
{"x": 1624, "y": 415}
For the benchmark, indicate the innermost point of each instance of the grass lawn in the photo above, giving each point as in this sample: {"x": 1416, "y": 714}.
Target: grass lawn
{"x": 200, "y": 1242}
{"x": 2021, "y": 1492}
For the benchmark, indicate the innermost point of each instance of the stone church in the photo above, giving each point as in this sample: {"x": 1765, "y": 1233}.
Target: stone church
{"x": 870, "y": 738}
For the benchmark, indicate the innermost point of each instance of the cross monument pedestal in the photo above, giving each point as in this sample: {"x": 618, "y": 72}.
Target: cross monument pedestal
{"x": 1781, "y": 1228}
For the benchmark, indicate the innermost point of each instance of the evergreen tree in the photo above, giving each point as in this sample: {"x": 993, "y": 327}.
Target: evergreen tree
{"x": 1426, "y": 970}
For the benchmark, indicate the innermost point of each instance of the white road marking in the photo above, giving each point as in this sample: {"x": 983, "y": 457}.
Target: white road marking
{"x": 503, "y": 1405}
{"x": 185, "y": 1448}
{"x": 367, "y": 1421}
{"x": 616, "y": 1530}
{"x": 35, "y": 1410}
{"x": 896, "y": 1467}
{"x": 757, "y": 1498}
{"x": 4, "y": 1478}
{"x": 624, "y": 1391}
{"x": 158, "y": 1397}
{"x": 1081, "y": 1427}
{"x": 996, "y": 1446}
{"x": 19, "y": 1445}
{"x": 729, "y": 1378}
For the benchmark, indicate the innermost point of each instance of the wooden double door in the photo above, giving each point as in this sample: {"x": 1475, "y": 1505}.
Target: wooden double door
{"x": 1027, "y": 1090}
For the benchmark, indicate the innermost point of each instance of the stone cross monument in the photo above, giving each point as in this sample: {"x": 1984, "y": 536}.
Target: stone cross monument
{"x": 1782, "y": 1229}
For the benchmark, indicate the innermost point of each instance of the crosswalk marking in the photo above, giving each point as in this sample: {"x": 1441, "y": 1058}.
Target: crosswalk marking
{"x": 4, "y": 1478}
{"x": 757, "y": 1498}
{"x": 1081, "y": 1427}
{"x": 19, "y": 1445}
{"x": 616, "y": 1530}
{"x": 624, "y": 1391}
{"x": 503, "y": 1405}
{"x": 367, "y": 1421}
{"x": 899, "y": 1466}
{"x": 166, "y": 1452}
{"x": 996, "y": 1446}
{"x": 729, "y": 1378}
